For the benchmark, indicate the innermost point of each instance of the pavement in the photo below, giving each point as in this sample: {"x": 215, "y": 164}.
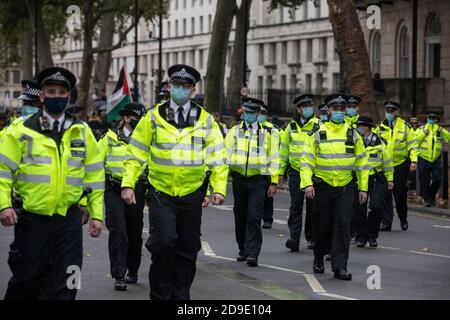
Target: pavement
{"x": 412, "y": 265}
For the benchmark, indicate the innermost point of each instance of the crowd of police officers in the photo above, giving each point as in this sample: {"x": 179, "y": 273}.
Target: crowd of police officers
{"x": 176, "y": 157}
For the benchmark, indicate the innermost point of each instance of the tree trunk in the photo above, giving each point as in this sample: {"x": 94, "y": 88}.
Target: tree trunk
{"x": 103, "y": 61}
{"x": 354, "y": 58}
{"x": 217, "y": 53}
{"x": 26, "y": 48}
{"x": 236, "y": 81}
{"x": 88, "y": 57}
{"x": 45, "y": 59}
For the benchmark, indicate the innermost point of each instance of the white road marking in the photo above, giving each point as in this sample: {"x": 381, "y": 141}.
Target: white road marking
{"x": 443, "y": 227}
{"x": 207, "y": 249}
{"x": 430, "y": 254}
{"x": 284, "y": 210}
{"x": 431, "y": 216}
{"x": 278, "y": 221}
{"x": 313, "y": 283}
{"x": 337, "y": 296}
{"x": 223, "y": 207}
{"x": 145, "y": 230}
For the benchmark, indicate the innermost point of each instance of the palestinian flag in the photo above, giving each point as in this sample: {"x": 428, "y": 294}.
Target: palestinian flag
{"x": 119, "y": 98}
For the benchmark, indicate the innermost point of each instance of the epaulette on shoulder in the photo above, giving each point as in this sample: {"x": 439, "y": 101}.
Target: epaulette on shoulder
{"x": 408, "y": 124}
{"x": 314, "y": 129}
{"x": 268, "y": 129}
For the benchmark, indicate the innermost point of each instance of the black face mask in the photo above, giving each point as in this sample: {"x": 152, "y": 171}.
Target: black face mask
{"x": 134, "y": 123}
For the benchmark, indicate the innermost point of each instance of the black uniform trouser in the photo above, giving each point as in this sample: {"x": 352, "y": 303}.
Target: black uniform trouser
{"x": 400, "y": 194}
{"x": 249, "y": 194}
{"x": 368, "y": 225}
{"x": 125, "y": 223}
{"x": 43, "y": 249}
{"x": 333, "y": 203}
{"x": 430, "y": 171}
{"x": 356, "y": 207}
{"x": 174, "y": 243}
{"x": 268, "y": 209}
{"x": 296, "y": 210}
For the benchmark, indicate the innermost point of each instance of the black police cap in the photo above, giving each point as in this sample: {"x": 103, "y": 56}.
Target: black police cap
{"x": 365, "y": 121}
{"x": 57, "y": 75}
{"x": 433, "y": 114}
{"x": 133, "y": 109}
{"x": 354, "y": 100}
{"x": 336, "y": 99}
{"x": 252, "y": 104}
{"x": 392, "y": 104}
{"x": 303, "y": 99}
{"x": 184, "y": 73}
{"x": 30, "y": 91}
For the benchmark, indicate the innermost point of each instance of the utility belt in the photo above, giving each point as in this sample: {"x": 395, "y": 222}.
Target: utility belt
{"x": 378, "y": 176}
{"x": 155, "y": 193}
{"x": 321, "y": 185}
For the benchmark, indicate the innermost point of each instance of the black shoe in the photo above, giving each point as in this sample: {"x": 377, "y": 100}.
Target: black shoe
{"x": 427, "y": 205}
{"x": 373, "y": 243}
{"x": 328, "y": 257}
{"x": 361, "y": 244}
{"x": 267, "y": 225}
{"x": 292, "y": 245}
{"x": 310, "y": 244}
{"x": 252, "y": 261}
{"x": 353, "y": 237}
{"x": 342, "y": 275}
{"x": 404, "y": 224}
{"x": 385, "y": 227}
{"x": 120, "y": 285}
{"x": 241, "y": 257}
{"x": 318, "y": 266}
{"x": 131, "y": 278}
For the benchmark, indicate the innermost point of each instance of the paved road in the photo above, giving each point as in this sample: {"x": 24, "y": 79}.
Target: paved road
{"x": 413, "y": 264}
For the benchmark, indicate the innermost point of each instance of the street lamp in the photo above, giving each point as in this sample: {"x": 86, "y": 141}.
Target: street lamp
{"x": 136, "y": 62}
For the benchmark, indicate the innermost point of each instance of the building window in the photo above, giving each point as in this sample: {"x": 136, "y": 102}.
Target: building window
{"x": 176, "y": 28}
{"x": 176, "y": 4}
{"x": 317, "y": 5}
{"x": 293, "y": 82}
{"x": 305, "y": 10}
{"x": 323, "y": 49}
{"x": 209, "y": 23}
{"x": 201, "y": 24}
{"x": 283, "y": 82}
{"x": 284, "y": 52}
{"x": 404, "y": 53}
{"x": 308, "y": 82}
{"x": 319, "y": 83}
{"x": 16, "y": 76}
{"x": 309, "y": 44}
{"x": 272, "y": 53}
{"x": 261, "y": 54}
{"x": 168, "y": 29}
{"x": 297, "y": 51}
{"x": 281, "y": 12}
{"x": 292, "y": 12}
{"x": 260, "y": 83}
{"x": 336, "y": 82}
{"x": 200, "y": 58}
{"x": 433, "y": 49}
{"x": 184, "y": 4}
{"x": 376, "y": 53}
{"x": 192, "y": 26}
{"x": 184, "y": 27}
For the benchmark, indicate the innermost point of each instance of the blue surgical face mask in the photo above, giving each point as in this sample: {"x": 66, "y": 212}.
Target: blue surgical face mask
{"x": 390, "y": 117}
{"x": 56, "y": 105}
{"x": 307, "y": 112}
{"x": 431, "y": 121}
{"x": 338, "y": 116}
{"x": 351, "y": 112}
{"x": 324, "y": 117}
{"x": 250, "y": 118}
{"x": 28, "y": 110}
{"x": 261, "y": 118}
{"x": 180, "y": 95}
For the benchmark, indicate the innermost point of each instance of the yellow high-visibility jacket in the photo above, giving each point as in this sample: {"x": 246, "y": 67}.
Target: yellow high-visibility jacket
{"x": 114, "y": 153}
{"x": 401, "y": 140}
{"x": 178, "y": 159}
{"x": 331, "y": 154}
{"x": 252, "y": 154}
{"x": 292, "y": 143}
{"x": 430, "y": 145}
{"x": 351, "y": 121}
{"x": 378, "y": 157}
{"x": 50, "y": 180}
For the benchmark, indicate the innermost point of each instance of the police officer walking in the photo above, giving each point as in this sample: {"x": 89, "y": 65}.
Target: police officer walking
{"x": 124, "y": 222}
{"x": 291, "y": 148}
{"x": 268, "y": 201}
{"x": 381, "y": 176}
{"x": 30, "y": 97}
{"x": 253, "y": 156}
{"x": 183, "y": 146}
{"x": 402, "y": 144}
{"x": 48, "y": 160}
{"x": 331, "y": 154}
{"x": 430, "y": 137}
{"x": 352, "y": 113}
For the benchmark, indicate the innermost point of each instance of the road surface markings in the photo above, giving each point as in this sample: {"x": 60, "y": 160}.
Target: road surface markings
{"x": 431, "y": 216}
{"x": 223, "y": 207}
{"x": 443, "y": 227}
{"x": 314, "y": 284}
{"x": 278, "y": 221}
{"x": 207, "y": 249}
{"x": 337, "y": 296}
{"x": 416, "y": 252}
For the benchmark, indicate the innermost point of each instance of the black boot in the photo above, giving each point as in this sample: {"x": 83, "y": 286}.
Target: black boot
{"x": 342, "y": 275}
{"x": 120, "y": 284}
{"x": 293, "y": 245}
